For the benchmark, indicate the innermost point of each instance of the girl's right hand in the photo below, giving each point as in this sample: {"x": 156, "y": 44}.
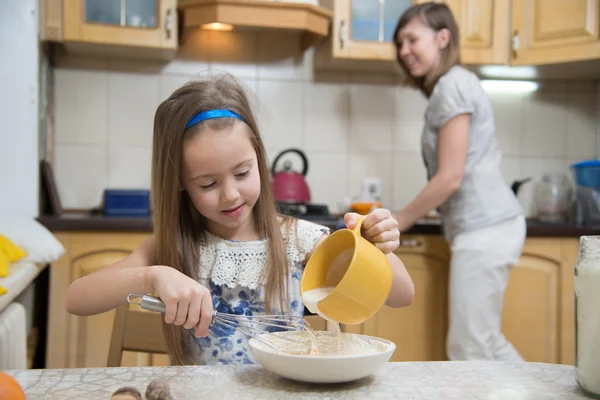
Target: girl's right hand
{"x": 187, "y": 302}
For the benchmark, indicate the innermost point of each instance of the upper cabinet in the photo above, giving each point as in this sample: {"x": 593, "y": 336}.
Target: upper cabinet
{"x": 363, "y": 30}
{"x": 545, "y": 32}
{"x": 483, "y": 30}
{"x": 492, "y": 32}
{"x": 132, "y": 28}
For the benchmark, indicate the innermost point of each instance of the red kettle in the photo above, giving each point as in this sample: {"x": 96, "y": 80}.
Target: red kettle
{"x": 290, "y": 186}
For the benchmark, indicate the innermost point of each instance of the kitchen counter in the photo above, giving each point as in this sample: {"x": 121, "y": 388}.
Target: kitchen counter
{"x": 464, "y": 380}
{"x": 99, "y": 223}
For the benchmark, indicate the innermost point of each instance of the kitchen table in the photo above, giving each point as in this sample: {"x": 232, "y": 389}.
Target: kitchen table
{"x": 464, "y": 380}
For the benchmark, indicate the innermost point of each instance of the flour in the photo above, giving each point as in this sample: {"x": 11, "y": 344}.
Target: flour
{"x": 587, "y": 291}
{"x": 327, "y": 344}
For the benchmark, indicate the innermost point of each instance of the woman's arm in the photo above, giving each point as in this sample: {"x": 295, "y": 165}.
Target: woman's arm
{"x": 107, "y": 288}
{"x": 452, "y": 154}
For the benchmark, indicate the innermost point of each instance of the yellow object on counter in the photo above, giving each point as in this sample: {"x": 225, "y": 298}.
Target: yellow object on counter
{"x": 360, "y": 274}
{"x": 3, "y": 290}
{"x": 9, "y": 253}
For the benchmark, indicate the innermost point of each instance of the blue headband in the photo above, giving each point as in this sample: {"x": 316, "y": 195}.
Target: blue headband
{"x": 210, "y": 114}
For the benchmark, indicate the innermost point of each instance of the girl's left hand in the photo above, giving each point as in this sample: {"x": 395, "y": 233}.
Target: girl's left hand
{"x": 379, "y": 228}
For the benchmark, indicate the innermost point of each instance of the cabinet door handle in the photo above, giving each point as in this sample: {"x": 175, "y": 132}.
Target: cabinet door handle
{"x": 410, "y": 243}
{"x": 515, "y": 44}
{"x": 343, "y": 33}
{"x": 169, "y": 23}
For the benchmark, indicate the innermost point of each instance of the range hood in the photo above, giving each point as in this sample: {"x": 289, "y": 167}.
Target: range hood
{"x": 310, "y": 20}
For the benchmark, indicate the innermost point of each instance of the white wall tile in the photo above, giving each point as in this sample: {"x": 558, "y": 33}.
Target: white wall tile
{"x": 133, "y": 99}
{"x": 129, "y": 168}
{"x": 361, "y": 165}
{"x": 193, "y": 56}
{"x": 509, "y": 118}
{"x": 409, "y": 178}
{"x": 371, "y": 118}
{"x": 545, "y": 125}
{"x": 327, "y": 177}
{"x": 279, "y": 114}
{"x": 81, "y": 106}
{"x": 80, "y": 175}
{"x": 581, "y": 125}
{"x": 169, "y": 83}
{"x": 279, "y": 56}
{"x": 326, "y": 111}
{"x": 409, "y": 120}
{"x": 234, "y": 52}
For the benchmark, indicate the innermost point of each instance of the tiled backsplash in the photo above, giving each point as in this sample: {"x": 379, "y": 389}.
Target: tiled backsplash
{"x": 348, "y": 128}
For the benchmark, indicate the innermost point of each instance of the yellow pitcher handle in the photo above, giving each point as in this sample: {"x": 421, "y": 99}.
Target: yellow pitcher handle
{"x": 359, "y": 221}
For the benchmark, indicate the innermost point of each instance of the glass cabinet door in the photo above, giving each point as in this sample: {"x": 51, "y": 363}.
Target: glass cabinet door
{"x": 375, "y": 20}
{"x": 130, "y": 13}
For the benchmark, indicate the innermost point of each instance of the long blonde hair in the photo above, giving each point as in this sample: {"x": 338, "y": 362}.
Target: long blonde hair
{"x": 437, "y": 16}
{"x": 178, "y": 227}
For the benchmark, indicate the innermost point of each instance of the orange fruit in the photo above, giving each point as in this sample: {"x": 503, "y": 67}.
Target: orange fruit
{"x": 10, "y": 388}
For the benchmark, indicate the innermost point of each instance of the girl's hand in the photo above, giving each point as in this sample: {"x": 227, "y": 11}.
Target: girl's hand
{"x": 187, "y": 302}
{"x": 379, "y": 228}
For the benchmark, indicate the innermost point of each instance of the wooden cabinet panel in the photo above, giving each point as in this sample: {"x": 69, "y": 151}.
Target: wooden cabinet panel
{"x": 538, "y": 314}
{"x": 163, "y": 35}
{"x": 554, "y": 31}
{"x": 366, "y": 35}
{"x": 530, "y": 319}
{"x": 79, "y": 342}
{"x": 483, "y": 30}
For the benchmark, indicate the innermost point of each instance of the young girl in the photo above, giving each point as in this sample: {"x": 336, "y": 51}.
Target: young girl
{"x": 482, "y": 219}
{"x": 218, "y": 242}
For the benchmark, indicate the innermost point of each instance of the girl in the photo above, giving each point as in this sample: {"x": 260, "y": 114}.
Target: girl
{"x": 218, "y": 242}
{"x": 482, "y": 219}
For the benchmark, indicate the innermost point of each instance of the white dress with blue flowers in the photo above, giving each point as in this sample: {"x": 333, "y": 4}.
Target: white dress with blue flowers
{"x": 232, "y": 271}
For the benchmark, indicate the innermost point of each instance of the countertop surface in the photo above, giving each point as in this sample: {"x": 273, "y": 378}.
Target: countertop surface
{"x": 464, "y": 380}
{"x": 99, "y": 223}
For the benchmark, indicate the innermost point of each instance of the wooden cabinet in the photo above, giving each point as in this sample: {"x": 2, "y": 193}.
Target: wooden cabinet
{"x": 83, "y": 342}
{"x": 545, "y": 32}
{"x": 538, "y": 307}
{"x": 363, "y": 30}
{"x": 483, "y": 30}
{"x": 538, "y": 315}
{"x": 129, "y": 28}
{"x": 492, "y": 32}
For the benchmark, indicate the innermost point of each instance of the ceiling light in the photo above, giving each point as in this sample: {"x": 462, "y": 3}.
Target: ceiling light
{"x": 490, "y": 85}
{"x": 217, "y": 26}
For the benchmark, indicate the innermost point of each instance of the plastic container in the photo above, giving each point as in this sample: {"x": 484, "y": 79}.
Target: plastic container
{"x": 586, "y": 175}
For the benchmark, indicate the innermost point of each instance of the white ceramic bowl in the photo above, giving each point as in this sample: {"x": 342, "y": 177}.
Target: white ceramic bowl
{"x": 322, "y": 368}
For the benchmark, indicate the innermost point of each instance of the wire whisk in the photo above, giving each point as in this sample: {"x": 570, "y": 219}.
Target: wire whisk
{"x": 254, "y": 326}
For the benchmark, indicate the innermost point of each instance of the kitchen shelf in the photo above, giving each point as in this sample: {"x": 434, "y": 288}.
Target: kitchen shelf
{"x": 312, "y": 21}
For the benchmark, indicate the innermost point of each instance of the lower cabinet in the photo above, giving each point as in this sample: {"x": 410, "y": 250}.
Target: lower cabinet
{"x": 538, "y": 315}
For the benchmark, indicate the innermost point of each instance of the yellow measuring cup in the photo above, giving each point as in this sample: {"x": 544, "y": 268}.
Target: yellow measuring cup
{"x": 360, "y": 274}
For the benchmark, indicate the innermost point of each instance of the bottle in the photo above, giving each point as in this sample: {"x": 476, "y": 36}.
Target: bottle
{"x": 587, "y": 315}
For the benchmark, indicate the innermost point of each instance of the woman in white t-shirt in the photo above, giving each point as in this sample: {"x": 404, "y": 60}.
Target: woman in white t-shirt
{"x": 482, "y": 219}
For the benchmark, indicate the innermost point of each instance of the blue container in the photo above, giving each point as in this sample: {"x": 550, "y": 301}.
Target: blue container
{"x": 126, "y": 203}
{"x": 587, "y": 173}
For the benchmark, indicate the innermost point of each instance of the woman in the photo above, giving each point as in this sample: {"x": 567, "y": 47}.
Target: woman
{"x": 482, "y": 219}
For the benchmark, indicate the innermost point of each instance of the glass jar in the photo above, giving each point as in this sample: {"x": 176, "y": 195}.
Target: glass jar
{"x": 587, "y": 315}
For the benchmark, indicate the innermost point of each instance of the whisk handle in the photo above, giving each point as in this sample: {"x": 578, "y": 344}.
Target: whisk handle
{"x": 155, "y": 304}
{"x": 148, "y": 302}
